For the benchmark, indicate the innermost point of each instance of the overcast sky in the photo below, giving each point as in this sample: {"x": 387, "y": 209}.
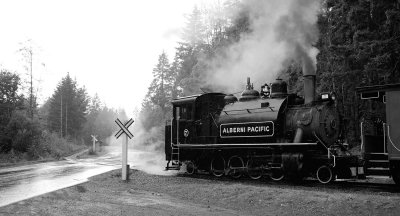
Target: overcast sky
{"x": 110, "y": 47}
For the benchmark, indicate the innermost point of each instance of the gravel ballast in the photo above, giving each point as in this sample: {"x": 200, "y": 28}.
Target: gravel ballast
{"x": 147, "y": 194}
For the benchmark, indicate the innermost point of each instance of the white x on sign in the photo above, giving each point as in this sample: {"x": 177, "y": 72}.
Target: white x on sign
{"x": 94, "y": 138}
{"x": 124, "y": 128}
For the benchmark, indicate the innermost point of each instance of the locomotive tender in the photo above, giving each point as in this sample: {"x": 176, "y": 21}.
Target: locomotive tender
{"x": 267, "y": 133}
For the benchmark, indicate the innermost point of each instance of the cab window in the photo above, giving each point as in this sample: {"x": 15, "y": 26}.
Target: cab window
{"x": 185, "y": 112}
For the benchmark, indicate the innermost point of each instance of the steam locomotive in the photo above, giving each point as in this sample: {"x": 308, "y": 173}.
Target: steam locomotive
{"x": 272, "y": 133}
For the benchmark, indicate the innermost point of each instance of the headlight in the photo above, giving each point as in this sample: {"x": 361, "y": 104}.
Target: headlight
{"x": 325, "y": 96}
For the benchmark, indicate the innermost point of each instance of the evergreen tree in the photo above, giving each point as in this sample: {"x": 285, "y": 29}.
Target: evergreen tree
{"x": 160, "y": 90}
{"x": 95, "y": 105}
{"x": 195, "y": 32}
{"x": 10, "y": 101}
{"x": 186, "y": 58}
{"x": 9, "y": 97}
{"x": 68, "y": 106}
{"x": 79, "y": 112}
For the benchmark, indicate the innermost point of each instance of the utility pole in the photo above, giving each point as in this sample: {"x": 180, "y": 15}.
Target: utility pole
{"x": 30, "y": 51}
{"x": 31, "y": 96}
{"x": 66, "y": 118}
{"x": 61, "y": 118}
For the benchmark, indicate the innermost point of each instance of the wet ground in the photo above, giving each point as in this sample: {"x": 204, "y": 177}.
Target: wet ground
{"x": 147, "y": 194}
{"x": 21, "y": 182}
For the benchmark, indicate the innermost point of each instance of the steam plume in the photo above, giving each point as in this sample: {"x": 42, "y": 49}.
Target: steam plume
{"x": 280, "y": 31}
{"x": 145, "y": 150}
{"x": 148, "y": 148}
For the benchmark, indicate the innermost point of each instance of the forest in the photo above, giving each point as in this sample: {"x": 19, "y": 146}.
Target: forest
{"x": 61, "y": 126}
{"x": 358, "y": 43}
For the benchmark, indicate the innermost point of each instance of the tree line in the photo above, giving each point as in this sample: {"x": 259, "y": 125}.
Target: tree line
{"x": 359, "y": 45}
{"x": 62, "y": 125}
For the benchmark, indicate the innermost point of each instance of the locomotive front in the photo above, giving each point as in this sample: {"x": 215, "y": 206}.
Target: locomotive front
{"x": 317, "y": 120}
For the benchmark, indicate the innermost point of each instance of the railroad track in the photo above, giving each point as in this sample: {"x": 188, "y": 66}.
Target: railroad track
{"x": 370, "y": 185}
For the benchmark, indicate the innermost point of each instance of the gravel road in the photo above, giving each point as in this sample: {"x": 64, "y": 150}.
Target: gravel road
{"x": 147, "y": 194}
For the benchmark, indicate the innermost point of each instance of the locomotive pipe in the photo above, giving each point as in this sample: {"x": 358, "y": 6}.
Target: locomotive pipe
{"x": 299, "y": 133}
{"x": 309, "y": 88}
{"x": 177, "y": 125}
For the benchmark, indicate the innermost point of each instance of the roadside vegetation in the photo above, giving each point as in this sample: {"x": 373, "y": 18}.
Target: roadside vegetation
{"x": 61, "y": 126}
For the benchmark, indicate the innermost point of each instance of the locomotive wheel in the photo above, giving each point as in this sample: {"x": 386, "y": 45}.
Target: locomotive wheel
{"x": 190, "y": 168}
{"x": 325, "y": 174}
{"x": 254, "y": 170}
{"x": 277, "y": 174}
{"x": 217, "y": 166}
{"x": 235, "y": 165}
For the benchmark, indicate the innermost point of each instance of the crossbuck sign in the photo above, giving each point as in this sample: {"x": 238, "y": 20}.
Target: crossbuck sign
{"x": 94, "y": 142}
{"x": 124, "y": 129}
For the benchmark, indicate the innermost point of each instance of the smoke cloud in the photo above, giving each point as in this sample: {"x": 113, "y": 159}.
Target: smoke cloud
{"x": 145, "y": 149}
{"x": 280, "y": 31}
{"x": 148, "y": 148}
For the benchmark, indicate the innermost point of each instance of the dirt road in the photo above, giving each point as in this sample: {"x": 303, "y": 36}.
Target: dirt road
{"x": 20, "y": 182}
{"x": 202, "y": 195}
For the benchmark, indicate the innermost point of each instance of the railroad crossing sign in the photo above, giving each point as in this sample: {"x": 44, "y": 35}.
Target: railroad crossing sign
{"x": 94, "y": 142}
{"x": 94, "y": 138}
{"x": 124, "y": 130}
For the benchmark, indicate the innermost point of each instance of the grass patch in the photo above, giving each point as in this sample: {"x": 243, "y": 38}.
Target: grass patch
{"x": 49, "y": 147}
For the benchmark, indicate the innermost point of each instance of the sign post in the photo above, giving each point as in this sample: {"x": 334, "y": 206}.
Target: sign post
{"x": 94, "y": 143}
{"x": 124, "y": 130}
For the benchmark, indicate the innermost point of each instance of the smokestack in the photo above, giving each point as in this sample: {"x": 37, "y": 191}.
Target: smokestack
{"x": 248, "y": 86}
{"x": 309, "y": 82}
{"x": 309, "y": 88}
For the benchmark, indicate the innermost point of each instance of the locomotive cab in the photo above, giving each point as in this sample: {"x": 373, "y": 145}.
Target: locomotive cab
{"x": 193, "y": 122}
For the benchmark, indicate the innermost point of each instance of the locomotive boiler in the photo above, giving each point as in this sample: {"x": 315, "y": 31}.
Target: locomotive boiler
{"x": 285, "y": 117}
{"x": 261, "y": 133}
